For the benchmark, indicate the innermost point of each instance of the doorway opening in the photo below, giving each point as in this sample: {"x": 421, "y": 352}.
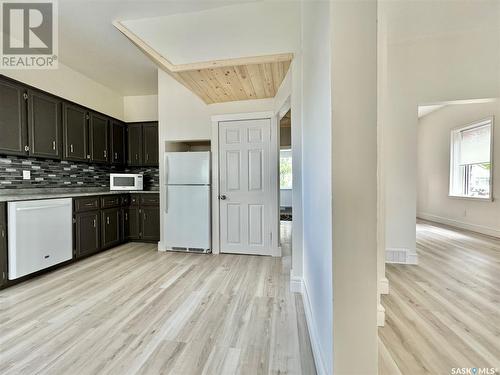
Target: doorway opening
{"x": 286, "y": 183}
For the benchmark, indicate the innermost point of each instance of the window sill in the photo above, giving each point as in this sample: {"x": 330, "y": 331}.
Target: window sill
{"x": 490, "y": 199}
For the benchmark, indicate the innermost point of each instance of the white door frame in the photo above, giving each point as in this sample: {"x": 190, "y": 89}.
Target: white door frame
{"x": 273, "y": 220}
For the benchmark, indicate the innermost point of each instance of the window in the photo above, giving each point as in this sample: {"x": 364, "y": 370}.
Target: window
{"x": 471, "y": 160}
{"x": 285, "y": 169}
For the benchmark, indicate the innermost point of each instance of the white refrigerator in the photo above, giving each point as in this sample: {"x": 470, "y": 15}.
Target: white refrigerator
{"x": 187, "y": 209}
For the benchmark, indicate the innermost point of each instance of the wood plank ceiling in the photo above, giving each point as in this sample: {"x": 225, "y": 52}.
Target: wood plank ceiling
{"x": 219, "y": 81}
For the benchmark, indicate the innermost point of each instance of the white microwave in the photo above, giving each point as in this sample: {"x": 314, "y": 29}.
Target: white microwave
{"x": 124, "y": 181}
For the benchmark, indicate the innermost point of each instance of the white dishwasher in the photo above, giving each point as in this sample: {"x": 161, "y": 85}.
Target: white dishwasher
{"x": 40, "y": 235}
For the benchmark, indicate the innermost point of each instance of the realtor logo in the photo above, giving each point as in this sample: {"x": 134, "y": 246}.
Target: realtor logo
{"x": 29, "y": 34}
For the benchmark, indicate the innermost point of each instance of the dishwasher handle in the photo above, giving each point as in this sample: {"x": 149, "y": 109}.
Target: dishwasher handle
{"x": 35, "y": 208}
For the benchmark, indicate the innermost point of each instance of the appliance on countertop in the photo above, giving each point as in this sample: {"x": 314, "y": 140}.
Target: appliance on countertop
{"x": 40, "y": 235}
{"x": 126, "y": 181}
{"x": 187, "y": 201}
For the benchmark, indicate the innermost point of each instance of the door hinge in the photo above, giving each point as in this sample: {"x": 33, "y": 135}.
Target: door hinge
{"x": 25, "y": 96}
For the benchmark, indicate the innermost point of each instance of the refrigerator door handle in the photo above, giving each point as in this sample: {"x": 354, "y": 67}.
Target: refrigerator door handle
{"x": 166, "y": 183}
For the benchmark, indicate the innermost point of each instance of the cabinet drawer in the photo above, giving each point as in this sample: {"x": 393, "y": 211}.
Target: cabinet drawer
{"x": 135, "y": 199}
{"x": 86, "y": 204}
{"x": 111, "y": 201}
{"x": 150, "y": 199}
{"x": 125, "y": 200}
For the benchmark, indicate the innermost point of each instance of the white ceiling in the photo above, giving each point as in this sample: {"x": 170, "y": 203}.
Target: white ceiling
{"x": 89, "y": 43}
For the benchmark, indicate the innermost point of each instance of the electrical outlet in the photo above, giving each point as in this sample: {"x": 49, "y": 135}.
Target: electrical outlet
{"x": 26, "y": 175}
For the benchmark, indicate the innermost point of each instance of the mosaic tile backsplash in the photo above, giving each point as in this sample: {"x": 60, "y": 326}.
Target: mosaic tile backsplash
{"x": 66, "y": 174}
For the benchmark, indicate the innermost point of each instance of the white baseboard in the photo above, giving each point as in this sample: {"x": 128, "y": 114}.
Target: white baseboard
{"x": 383, "y": 285}
{"x": 380, "y": 316}
{"x": 401, "y": 256}
{"x": 321, "y": 368}
{"x": 296, "y": 284}
{"x": 460, "y": 224}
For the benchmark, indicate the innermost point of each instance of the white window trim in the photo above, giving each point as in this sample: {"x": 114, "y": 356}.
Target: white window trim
{"x": 490, "y": 119}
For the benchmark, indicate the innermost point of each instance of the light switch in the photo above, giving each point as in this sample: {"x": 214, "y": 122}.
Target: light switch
{"x": 26, "y": 175}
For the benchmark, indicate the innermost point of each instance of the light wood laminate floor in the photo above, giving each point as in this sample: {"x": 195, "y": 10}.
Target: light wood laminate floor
{"x": 443, "y": 313}
{"x": 133, "y": 310}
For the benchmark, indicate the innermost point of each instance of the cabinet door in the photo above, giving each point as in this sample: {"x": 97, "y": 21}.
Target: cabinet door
{"x": 13, "y": 128}
{"x": 3, "y": 245}
{"x": 110, "y": 227}
{"x": 87, "y": 233}
{"x": 134, "y": 137}
{"x": 132, "y": 223}
{"x": 98, "y": 141}
{"x": 150, "y": 223}
{"x": 150, "y": 144}
{"x": 75, "y": 132}
{"x": 44, "y": 125}
{"x": 118, "y": 134}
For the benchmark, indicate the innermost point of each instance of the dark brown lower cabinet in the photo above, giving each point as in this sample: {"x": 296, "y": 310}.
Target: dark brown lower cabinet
{"x": 150, "y": 223}
{"x": 132, "y": 223}
{"x": 3, "y": 245}
{"x": 110, "y": 227}
{"x": 87, "y": 233}
{"x": 108, "y": 221}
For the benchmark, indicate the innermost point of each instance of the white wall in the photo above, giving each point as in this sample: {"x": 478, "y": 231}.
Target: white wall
{"x": 434, "y": 170}
{"x": 317, "y": 179}
{"x": 140, "y": 108}
{"x": 354, "y": 165}
{"x": 74, "y": 86}
{"x": 428, "y": 68}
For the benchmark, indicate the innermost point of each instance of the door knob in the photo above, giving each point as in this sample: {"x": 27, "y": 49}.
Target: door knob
{"x": 222, "y": 197}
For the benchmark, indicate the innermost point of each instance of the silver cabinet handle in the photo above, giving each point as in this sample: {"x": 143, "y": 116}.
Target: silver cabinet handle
{"x": 71, "y": 148}
{"x": 126, "y": 216}
{"x": 107, "y": 220}
{"x": 223, "y": 197}
{"x": 105, "y": 153}
{"x": 93, "y": 221}
{"x": 147, "y": 157}
{"x": 116, "y": 156}
{"x": 136, "y": 156}
{"x": 54, "y": 145}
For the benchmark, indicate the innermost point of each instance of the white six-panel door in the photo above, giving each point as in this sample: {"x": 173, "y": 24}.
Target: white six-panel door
{"x": 244, "y": 187}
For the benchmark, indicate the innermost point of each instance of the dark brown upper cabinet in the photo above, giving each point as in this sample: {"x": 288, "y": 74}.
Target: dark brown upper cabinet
{"x": 98, "y": 141}
{"x": 118, "y": 140}
{"x": 75, "y": 133}
{"x": 134, "y": 145}
{"x": 150, "y": 144}
{"x": 44, "y": 125}
{"x": 13, "y": 129}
